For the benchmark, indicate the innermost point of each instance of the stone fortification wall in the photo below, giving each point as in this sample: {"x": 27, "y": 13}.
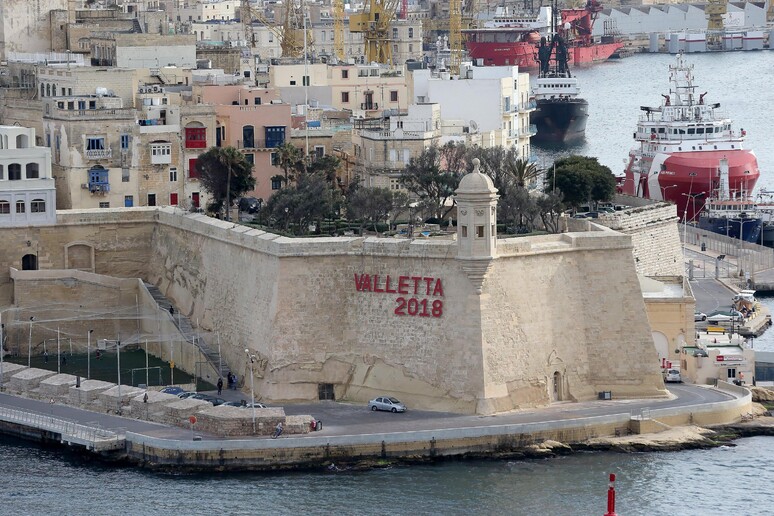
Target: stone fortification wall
{"x": 550, "y": 304}
{"x": 559, "y": 316}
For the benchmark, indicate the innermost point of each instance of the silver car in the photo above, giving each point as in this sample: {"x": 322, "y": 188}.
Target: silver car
{"x": 386, "y": 403}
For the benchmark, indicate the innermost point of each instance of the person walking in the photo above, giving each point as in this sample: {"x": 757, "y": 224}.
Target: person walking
{"x": 45, "y": 356}
{"x": 229, "y": 379}
{"x": 220, "y": 385}
{"x": 234, "y": 380}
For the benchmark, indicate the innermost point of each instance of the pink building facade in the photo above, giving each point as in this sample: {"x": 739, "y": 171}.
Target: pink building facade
{"x": 255, "y": 121}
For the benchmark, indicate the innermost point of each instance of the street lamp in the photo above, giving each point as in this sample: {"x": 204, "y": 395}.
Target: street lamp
{"x": 2, "y": 350}
{"x": 741, "y": 242}
{"x": 29, "y": 344}
{"x": 286, "y": 219}
{"x": 664, "y": 189}
{"x": 251, "y": 358}
{"x": 88, "y": 354}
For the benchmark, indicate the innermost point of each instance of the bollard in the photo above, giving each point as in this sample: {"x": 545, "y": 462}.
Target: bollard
{"x": 611, "y": 497}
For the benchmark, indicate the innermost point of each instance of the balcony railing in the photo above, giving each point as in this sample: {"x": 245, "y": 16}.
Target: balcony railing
{"x": 369, "y": 106}
{"x": 96, "y": 187}
{"x": 526, "y": 106}
{"x": 99, "y": 153}
{"x": 259, "y": 144}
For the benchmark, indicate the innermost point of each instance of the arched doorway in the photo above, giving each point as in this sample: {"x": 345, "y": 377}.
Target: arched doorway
{"x": 557, "y": 387}
{"x": 29, "y": 262}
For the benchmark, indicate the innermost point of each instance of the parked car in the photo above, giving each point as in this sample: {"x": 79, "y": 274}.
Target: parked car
{"x": 233, "y": 404}
{"x": 699, "y": 316}
{"x": 672, "y": 376}
{"x": 173, "y": 389}
{"x": 213, "y": 399}
{"x": 256, "y": 404}
{"x": 386, "y": 403}
{"x": 185, "y": 395}
{"x": 730, "y": 316}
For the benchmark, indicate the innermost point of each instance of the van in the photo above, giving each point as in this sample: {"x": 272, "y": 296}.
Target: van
{"x": 672, "y": 376}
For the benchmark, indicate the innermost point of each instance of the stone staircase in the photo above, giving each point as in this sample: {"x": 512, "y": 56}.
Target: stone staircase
{"x": 187, "y": 330}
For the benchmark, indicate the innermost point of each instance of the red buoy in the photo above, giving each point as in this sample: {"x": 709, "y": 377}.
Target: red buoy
{"x": 611, "y": 497}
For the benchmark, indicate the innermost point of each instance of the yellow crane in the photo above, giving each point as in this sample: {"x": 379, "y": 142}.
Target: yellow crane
{"x": 375, "y": 23}
{"x": 455, "y": 36}
{"x": 338, "y": 29}
{"x": 715, "y": 10}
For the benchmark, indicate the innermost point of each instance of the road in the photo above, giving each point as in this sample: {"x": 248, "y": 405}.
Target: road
{"x": 356, "y": 419}
{"x": 711, "y": 295}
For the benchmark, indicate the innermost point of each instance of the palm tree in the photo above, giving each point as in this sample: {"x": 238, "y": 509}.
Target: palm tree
{"x": 288, "y": 156}
{"x": 226, "y": 174}
{"x": 522, "y": 170}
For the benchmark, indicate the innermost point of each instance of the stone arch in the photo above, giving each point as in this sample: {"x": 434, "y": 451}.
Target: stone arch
{"x": 79, "y": 255}
{"x": 557, "y": 390}
{"x": 29, "y": 262}
{"x": 22, "y": 141}
{"x": 662, "y": 345}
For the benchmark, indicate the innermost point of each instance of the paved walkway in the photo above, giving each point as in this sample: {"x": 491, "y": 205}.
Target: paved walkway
{"x": 356, "y": 419}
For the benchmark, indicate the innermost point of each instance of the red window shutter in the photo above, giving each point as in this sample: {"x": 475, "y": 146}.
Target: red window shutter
{"x": 195, "y": 137}
{"x": 192, "y": 172}
{"x": 173, "y": 199}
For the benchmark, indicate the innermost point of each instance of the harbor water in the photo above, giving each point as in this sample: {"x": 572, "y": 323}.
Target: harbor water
{"x": 727, "y": 480}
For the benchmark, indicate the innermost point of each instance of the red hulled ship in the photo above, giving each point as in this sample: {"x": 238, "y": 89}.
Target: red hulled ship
{"x": 684, "y": 147}
{"x": 512, "y": 40}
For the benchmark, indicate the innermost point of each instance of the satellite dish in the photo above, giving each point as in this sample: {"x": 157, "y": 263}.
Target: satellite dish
{"x": 473, "y": 126}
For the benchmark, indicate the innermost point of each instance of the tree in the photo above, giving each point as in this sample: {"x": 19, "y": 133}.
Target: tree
{"x": 369, "y": 205}
{"x": 309, "y": 200}
{"x": 226, "y": 174}
{"x": 434, "y": 175}
{"x": 582, "y": 180}
{"x": 289, "y": 157}
{"x": 328, "y": 166}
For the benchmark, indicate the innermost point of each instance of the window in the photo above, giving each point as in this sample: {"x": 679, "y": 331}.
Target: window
{"x": 151, "y": 199}
{"x": 250, "y": 158}
{"x": 395, "y": 33}
{"x": 173, "y": 174}
{"x": 319, "y": 151}
{"x": 2, "y": 172}
{"x": 38, "y": 206}
{"x": 128, "y": 201}
{"x": 393, "y": 96}
{"x": 104, "y": 205}
{"x": 275, "y": 136}
{"x": 276, "y": 184}
{"x": 411, "y": 47}
{"x": 14, "y": 172}
{"x": 125, "y": 175}
{"x": 292, "y": 82}
{"x": 305, "y": 80}
{"x": 344, "y": 97}
{"x": 195, "y": 137}
{"x": 464, "y": 231}
{"x": 274, "y": 159}
{"x": 480, "y": 231}
{"x": 345, "y": 74}
{"x": 248, "y": 137}
{"x": 257, "y": 101}
{"x": 161, "y": 153}
{"x": 95, "y": 143}
{"x": 192, "y": 172}
{"x": 19, "y": 206}
{"x": 33, "y": 172}
{"x": 124, "y": 141}
{"x": 411, "y": 32}
{"x": 173, "y": 199}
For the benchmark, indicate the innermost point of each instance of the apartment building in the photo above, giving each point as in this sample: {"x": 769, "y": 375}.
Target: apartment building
{"x": 27, "y": 191}
{"x": 255, "y": 121}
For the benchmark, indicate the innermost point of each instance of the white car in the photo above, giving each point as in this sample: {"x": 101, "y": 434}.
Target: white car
{"x": 720, "y": 317}
{"x": 699, "y": 316}
{"x": 386, "y": 403}
{"x": 672, "y": 376}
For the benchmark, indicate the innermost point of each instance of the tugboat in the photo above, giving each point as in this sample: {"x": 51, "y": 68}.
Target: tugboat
{"x": 735, "y": 218}
{"x": 680, "y": 146}
{"x": 560, "y": 114}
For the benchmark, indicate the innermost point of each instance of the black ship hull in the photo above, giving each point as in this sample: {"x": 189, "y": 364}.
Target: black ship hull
{"x": 560, "y": 120}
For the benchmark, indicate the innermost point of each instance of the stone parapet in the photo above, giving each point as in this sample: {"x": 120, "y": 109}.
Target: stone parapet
{"x": 57, "y": 387}
{"x": 87, "y": 395}
{"x": 10, "y": 369}
{"x": 27, "y": 381}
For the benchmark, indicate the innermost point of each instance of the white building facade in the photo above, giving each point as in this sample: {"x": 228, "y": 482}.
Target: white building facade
{"x": 27, "y": 190}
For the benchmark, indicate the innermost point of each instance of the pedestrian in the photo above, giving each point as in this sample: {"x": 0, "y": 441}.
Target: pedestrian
{"x": 229, "y": 379}
{"x": 145, "y": 398}
{"x": 234, "y": 378}
{"x": 45, "y": 356}
{"x": 171, "y": 310}
{"x": 277, "y": 430}
{"x": 220, "y": 385}
{"x": 64, "y": 360}
{"x": 99, "y": 354}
